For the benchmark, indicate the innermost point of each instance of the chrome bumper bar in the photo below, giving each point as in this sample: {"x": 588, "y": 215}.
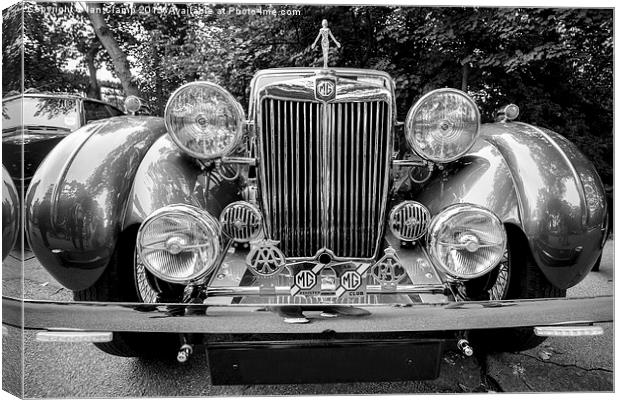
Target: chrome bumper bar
{"x": 215, "y": 319}
{"x": 286, "y": 290}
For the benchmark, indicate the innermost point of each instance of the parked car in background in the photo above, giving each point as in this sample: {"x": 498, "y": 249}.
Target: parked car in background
{"x": 34, "y": 123}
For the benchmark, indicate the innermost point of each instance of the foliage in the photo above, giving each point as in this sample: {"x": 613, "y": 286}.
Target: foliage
{"x": 556, "y": 64}
{"x": 11, "y": 48}
{"x": 50, "y": 42}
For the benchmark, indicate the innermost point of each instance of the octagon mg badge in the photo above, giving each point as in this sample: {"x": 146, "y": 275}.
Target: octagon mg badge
{"x": 307, "y": 282}
{"x": 325, "y": 89}
{"x": 352, "y": 282}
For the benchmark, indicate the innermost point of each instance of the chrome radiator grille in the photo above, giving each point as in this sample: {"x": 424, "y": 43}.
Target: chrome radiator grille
{"x": 324, "y": 175}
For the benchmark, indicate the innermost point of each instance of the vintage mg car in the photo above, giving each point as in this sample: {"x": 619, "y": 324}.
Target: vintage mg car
{"x": 318, "y": 238}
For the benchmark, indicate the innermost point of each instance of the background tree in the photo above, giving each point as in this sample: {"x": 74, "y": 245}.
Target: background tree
{"x": 556, "y": 64}
{"x": 12, "y": 30}
{"x": 119, "y": 59}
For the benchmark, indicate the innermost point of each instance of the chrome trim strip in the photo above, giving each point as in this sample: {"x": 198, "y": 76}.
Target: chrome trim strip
{"x": 409, "y": 163}
{"x": 240, "y": 160}
{"x": 62, "y": 336}
{"x": 138, "y": 317}
{"x": 233, "y": 291}
{"x": 283, "y": 74}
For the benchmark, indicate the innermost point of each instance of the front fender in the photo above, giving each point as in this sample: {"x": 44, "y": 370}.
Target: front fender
{"x": 10, "y": 213}
{"x": 539, "y": 181}
{"x": 561, "y": 199}
{"x": 168, "y": 176}
{"x": 480, "y": 177}
{"x": 78, "y": 197}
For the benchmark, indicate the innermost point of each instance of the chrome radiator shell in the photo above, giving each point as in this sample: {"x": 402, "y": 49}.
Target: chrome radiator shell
{"x": 324, "y": 168}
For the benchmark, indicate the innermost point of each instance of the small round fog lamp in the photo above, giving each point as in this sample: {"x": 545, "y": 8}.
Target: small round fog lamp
{"x": 409, "y": 220}
{"x": 241, "y": 221}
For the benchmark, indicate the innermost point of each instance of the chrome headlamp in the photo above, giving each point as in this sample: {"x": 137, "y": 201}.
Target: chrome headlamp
{"x": 466, "y": 241}
{"x": 179, "y": 243}
{"x": 443, "y": 125}
{"x": 204, "y": 120}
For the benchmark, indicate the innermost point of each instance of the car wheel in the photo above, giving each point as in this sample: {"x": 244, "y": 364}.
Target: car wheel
{"x": 516, "y": 277}
{"x": 597, "y": 264}
{"x": 121, "y": 284}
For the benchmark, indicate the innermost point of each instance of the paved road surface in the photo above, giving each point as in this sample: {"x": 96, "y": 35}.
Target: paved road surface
{"x": 80, "y": 370}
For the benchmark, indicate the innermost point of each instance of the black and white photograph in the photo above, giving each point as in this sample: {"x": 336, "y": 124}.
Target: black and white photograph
{"x": 306, "y": 199}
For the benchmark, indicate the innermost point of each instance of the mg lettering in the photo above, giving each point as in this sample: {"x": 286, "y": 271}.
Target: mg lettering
{"x": 325, "y": 89}
{"x": 305, "y": 279}
{"x": 351, "y": 280}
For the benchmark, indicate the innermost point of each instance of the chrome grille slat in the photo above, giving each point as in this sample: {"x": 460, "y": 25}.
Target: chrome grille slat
{"x": 364, "y": 179}
{"x": 375, "y": 166}
{"x": 271, "y": 183}
{"x": 296, "y": 139}
{"x": 324, "y": 178}
{"x": 311, "y": 181}
{"x": 324, "y": 175}
{"x": 306, "y": 179}
{"x": 334, "y": 172}
{"x": 338, "y": 158}
{"x": 284, "y": 171}
{"x": 355, "y": 233}
{"x": 345, "y": 188}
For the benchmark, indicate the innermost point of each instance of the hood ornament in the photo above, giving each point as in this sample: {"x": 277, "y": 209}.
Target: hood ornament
{"x": 325, "y": 34}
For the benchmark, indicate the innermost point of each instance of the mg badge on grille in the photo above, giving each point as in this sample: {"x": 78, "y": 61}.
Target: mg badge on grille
{"x": 307, "y": 282}
{"x": 352, "y": 282}
{"x": 325, "y": 89}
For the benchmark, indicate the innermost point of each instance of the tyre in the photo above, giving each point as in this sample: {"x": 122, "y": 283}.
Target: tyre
{"x": 597, "y": 264}
{"x": 126, "y": 280}
{"x": 516, "y": 277}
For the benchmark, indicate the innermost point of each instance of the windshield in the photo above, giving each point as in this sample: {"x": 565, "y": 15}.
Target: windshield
{"x": 43, "y": 112}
